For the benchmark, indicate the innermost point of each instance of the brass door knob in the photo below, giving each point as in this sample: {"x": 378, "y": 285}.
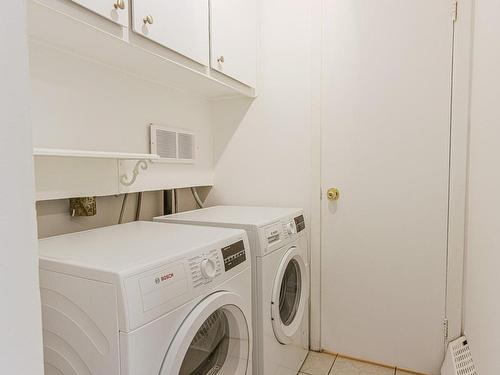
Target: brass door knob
{"x": 119, "y": 4}
{"x": 333, "y": 194}
{"x": 148, "y": 20}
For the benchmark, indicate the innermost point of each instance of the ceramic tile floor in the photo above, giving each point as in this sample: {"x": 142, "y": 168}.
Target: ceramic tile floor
{"x": 327, "y": 364}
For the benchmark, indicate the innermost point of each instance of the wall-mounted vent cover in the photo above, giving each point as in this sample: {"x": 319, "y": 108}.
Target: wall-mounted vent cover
{"x": 458, "y": 359}
{"x": 173, "y": 144}
{"x": 186, "y": 146}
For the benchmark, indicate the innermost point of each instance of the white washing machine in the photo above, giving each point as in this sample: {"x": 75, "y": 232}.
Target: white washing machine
{"x": 278, "y": 243}
{"x": 146, "y": 299}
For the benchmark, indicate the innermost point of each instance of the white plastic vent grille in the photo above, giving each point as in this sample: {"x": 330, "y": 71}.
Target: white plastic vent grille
{"x": 463, "y": 358}
{"x": 166, "y": 144}
{"x": 172, "y": 144}
{"x": 459, "y": 359}
{"x": 186, "y": 145}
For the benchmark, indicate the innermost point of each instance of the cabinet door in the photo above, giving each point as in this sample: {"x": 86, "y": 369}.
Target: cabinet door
{"x": 181, "y": 25}
{"x": 233, "y": 28}
{"x": 114, "y": 10}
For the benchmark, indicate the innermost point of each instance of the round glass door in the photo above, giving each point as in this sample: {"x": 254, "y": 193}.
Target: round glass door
{"x": 208, "y": 350}
{"x": 291, "y": 286}
{"x": 290, "y": 295}
{"x": 214, "y": 339}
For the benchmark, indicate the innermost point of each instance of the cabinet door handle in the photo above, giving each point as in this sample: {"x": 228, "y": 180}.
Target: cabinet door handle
{"x": 119, "y": 4}
{"x": 221, "y": 60}
{"x": 148, "y": 20}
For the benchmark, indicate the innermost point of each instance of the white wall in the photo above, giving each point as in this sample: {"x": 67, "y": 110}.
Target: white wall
{"x": 482, "y": 302}
{"x": 103, "y": 109}
{"x": 20, "y": 317}
{"x": 262, "y": 149}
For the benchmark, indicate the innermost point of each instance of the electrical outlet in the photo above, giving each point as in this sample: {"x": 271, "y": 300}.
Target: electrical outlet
{"x": 83, "y": 206}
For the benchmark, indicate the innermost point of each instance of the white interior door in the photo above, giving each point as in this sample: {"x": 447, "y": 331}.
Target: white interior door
{"x": 385, "y": 146}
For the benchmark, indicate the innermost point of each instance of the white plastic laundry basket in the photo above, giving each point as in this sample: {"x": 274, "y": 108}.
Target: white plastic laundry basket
{"x": 458, "y": 359}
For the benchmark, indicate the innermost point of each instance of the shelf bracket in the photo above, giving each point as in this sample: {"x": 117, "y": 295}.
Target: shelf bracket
{"x": 140, "y": 165}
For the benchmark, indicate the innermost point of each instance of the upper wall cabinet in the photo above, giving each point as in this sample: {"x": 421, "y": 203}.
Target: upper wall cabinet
{"x": 166, "y": 41}
{"x": 233, "y": 29}
{"x": 180, "y": 25}
{"x": 114, "y": 10}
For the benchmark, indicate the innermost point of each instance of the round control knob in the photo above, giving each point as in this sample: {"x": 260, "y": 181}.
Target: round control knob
{"x": 208, "y": 268}
{"x": 290, "y": 228}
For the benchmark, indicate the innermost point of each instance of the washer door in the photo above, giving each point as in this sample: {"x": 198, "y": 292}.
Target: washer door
{"x": 214, "y": 339}
{"x": 290, "y": 295}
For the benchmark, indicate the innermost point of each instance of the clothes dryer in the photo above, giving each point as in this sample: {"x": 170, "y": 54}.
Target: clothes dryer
{"x": 147, "y": 298}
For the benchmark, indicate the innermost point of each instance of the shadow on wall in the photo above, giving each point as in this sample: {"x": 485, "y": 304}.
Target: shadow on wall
{"x": 227, "y": 116}
{"x": 53, "y": 217}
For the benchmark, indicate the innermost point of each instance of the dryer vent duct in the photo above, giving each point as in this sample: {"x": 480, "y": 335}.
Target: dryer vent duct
{"x": 172, "y": 145}
{"x": 458, "y": 359}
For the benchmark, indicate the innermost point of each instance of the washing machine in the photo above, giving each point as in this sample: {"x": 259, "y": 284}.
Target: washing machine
{"x": 280, "y": 279}
{"x": 145, "y": 299}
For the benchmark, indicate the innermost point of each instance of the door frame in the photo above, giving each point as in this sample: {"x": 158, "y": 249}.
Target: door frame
{"x": 315, "y": 191}
{"x": 458, "y": 177}
{"x": 459, "y": 160}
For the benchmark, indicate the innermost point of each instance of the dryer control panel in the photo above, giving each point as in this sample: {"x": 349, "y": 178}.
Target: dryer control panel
{"x": 233, "y": 255}
{"x": 205, "y": 267}
{"x": 171, "y": 282}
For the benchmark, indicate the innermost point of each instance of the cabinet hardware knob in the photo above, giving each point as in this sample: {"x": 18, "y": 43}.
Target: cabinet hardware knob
{"x": 220, "y": 60}
{"x": 148, "y": 20}
{"x": 333, "y": 194}
{"x": 119, "y": 4}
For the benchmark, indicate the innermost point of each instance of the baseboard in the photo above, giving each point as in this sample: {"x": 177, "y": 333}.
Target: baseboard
{"x": 372, "y": 362}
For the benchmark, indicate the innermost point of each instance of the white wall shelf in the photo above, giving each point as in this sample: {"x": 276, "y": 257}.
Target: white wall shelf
{"x": 61, "y": 173}
{"x": 54, "y": 152}
{"x": 72, "y": 29}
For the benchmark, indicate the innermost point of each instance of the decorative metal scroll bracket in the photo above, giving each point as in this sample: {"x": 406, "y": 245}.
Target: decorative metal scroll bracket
{"x": 140, "y": 165}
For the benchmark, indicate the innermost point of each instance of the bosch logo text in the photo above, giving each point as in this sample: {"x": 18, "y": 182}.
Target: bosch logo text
{"x": 165, "y": 277}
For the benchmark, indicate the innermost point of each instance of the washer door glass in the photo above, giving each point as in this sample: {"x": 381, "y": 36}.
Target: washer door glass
{"x": 290, "y": 296}
{"x": 209, "y": 348}
{"x": 213, "y": 339}
{"x": 290, "y": 291}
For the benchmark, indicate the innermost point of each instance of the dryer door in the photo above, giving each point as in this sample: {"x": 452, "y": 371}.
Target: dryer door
{"x": 214, "y": 339}
{"x": 290, "y": 296}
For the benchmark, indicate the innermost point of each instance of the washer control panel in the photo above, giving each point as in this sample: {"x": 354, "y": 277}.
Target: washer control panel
{"x": 274, "y": 236}
{"x": 205, "y": 267}
{"x": 300, "y": 223}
